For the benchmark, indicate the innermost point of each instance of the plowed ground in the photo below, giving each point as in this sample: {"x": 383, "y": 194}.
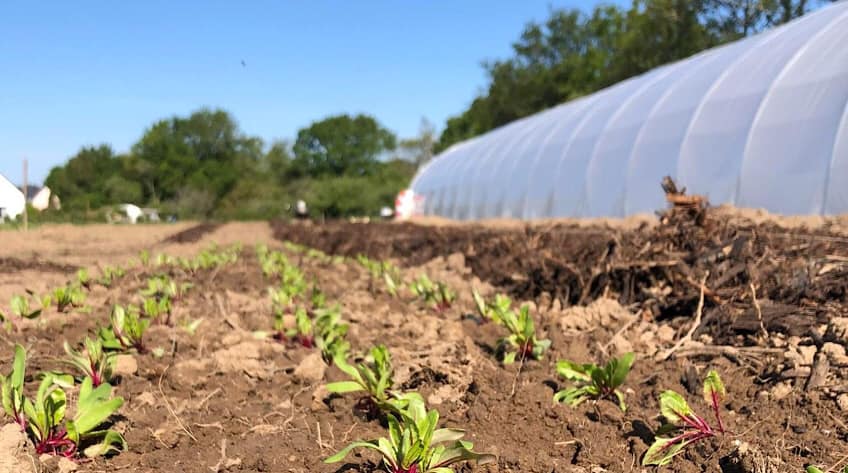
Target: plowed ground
{"x": 221, "y": 400}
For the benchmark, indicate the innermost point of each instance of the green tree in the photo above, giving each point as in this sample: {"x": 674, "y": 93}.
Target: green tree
{"x": 80, "y": 182}
{"x": 340, "y": 145}
{"x": 193, "y": 160}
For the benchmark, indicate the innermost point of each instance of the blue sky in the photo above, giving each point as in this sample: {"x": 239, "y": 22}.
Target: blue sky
{"x": 82, "y": 73}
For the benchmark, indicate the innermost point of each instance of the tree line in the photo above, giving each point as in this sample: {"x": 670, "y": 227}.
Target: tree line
{"x": 204, "y": 166}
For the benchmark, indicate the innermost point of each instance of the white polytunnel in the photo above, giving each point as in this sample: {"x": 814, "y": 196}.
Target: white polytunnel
{"x": 762, "y": 123}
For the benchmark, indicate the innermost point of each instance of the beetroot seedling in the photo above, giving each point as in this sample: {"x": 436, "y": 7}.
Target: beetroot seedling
{"x": 127, "y": 330}
{"x": 301, "y": 334}
{"x": 415, "y": 445}
{"x": 593, "y": 381}
{"x": 491, "y": 311}
{"x": 330, "y": 332}
{"x": 438, "y": 295}
{"x": 689, "y": 427}
{"x": 108, "y": 275}
{"x": 83, "y": 280}
{"x": 12, "y": 389}
{"x": 68, "y": 297}
{"x": 20, "y": 308}
{"x": 93, "y": 361}
{"x": 155, "y": 309}
{"x": 522, "y": 341}
{"x": 373, "y": 377}
{"x": 53, "y": 434}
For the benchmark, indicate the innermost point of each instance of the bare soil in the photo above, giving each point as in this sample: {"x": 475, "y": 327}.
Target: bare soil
{"x": 221, "y": 400}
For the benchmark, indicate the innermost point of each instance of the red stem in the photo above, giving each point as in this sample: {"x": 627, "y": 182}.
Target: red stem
{"x": 717, "y": 411}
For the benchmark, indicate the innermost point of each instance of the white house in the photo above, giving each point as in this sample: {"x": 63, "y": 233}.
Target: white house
{"x": 12, "y": 200}
{"x": 42, "y": 198}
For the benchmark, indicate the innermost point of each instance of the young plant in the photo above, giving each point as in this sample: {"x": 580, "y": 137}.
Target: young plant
{"x": 20, "y": 307}
{"x": 83, "y": 279}
{"x": 93, "y": 362}
{"x": 144, "y": 257}
{"x": 438, "y": 294}
{"x": 374, "y": 378}
{"x": 415, "y": 445}
{"x": 593, "y": 381}
{"x": 127, "y": 330}
{"x": 67, "y": 297}
{"x": 393, "y": 279}
{"x": 522, "y": 338}
{"x": 492, "y": 311}
{"x": 330, "y": 332}
{"x": 318, "y": 298}
{"x": 108, "y": 275}
{"x": 53, "y": 434}
{"x": 688, "y": 426}
{"x": 154, "y": 308}
{"x": 302, "y": 333}
{"x": 12, "y": 389}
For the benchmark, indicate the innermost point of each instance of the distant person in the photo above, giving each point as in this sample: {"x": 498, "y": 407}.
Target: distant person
{"x": 301, "y": 211}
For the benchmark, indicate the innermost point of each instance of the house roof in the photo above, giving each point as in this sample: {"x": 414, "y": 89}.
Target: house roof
{"x": 31, "y": 191}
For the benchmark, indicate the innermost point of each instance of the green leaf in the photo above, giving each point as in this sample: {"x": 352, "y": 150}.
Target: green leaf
{"x": 94, "y": 406}
{"x": 112, "y": 442}
{"x": 447, "y": 435}
{"x": 18, "y": 368}
{"x": 662, "y": 451}
{"x": 345, "y": 451}
{"x": 673, "y": 406}
{"x": 573, "y": 371}
{"x": 619, "y": 368}
{"x": 574, "y": 396}
{"x": 342, "y": 387}
{"x": 714, "y": 390}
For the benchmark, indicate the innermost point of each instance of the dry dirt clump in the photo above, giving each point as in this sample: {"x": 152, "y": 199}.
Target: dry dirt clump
{"x": 15, "y": 455}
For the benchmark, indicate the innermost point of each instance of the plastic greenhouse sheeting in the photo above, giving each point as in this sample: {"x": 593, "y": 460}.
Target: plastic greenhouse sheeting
{"x": 762, "y": 122}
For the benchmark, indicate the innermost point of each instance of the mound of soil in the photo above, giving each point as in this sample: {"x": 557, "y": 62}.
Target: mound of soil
{"x": 192, "y": 234}
{"x": 11, "y": 265}
{"x": 795, "y": 276}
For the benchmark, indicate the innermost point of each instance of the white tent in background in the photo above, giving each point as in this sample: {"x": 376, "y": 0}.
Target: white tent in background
{"x": 762, "y": 123}
{"x": 12, "y": 200}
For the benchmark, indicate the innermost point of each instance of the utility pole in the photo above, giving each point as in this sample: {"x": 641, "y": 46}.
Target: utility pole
{"x": 26, "y": 223}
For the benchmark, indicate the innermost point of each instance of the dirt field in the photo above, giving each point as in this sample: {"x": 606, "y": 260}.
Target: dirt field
{"x": 773, "y": 323}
